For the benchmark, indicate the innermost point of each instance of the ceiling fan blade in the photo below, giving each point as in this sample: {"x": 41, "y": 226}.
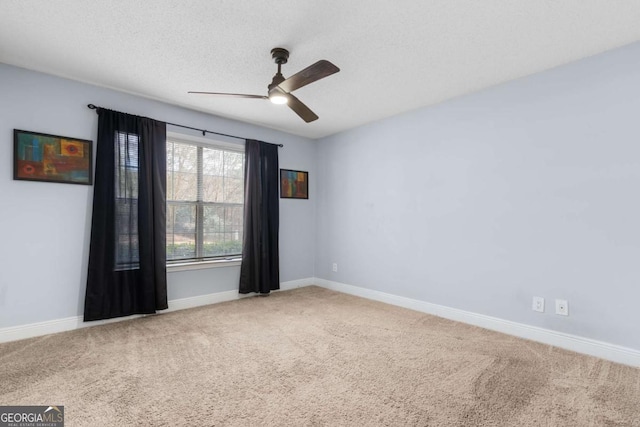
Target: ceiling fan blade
{"x": 312, "y": 73}
{"x": 300, "y": 109}
{"x": 237, "y": 95}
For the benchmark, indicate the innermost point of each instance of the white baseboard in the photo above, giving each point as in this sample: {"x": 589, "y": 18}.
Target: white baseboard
{"x": 31, "y": 330}
{"x": 575, "y": 343}
{"x": 294, "y": 284}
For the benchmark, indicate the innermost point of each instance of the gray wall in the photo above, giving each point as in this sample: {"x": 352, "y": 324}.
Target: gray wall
{"x": 45, "y": 227}
{"x": 480, "y": 203}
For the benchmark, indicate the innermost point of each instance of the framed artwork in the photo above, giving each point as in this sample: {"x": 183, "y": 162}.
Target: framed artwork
{"x": 294, "y": 184}
{"x": 51, "y": 158}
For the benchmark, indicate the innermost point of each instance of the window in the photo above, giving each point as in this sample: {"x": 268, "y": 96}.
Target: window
{"x": 126, "y": 201}
{"x": 205, "y": 196}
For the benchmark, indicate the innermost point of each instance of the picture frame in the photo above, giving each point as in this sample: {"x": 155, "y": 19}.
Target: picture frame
{"x": 52, "y": 158}
{"x": 294, "y": 184}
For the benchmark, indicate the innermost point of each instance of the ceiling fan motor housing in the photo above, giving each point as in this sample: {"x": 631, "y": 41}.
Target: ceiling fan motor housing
{"x": 277, "y": 79}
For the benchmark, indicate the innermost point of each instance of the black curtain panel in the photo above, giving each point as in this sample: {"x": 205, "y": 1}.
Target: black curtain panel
{"x": 127, "y": 258}
{"x": 260, "y": 253}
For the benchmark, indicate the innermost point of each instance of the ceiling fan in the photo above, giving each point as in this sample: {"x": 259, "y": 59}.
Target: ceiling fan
{"x": 279, "y": 91}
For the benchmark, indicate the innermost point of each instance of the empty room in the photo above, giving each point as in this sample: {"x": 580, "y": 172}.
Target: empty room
{"x": 337, "y": 213}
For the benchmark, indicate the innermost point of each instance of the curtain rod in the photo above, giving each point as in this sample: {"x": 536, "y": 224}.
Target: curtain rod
{"x": 204, "y": 131}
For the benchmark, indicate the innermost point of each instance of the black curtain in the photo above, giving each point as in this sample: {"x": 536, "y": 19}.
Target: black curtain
{"x": 260, "y": 254}
{"x": 127, "y": 258}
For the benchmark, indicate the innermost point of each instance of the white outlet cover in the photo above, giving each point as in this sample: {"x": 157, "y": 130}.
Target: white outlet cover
{"x": 538, "y": 304}
{"x": 562, "y": 307}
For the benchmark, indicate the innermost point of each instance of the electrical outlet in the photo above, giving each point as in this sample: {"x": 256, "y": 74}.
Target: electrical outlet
{"x": 538, "y": 304}
{"x": 562, "y": 307}
{"x": 335, "y": 267}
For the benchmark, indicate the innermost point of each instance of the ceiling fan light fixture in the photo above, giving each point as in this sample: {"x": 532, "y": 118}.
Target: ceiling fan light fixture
{"x": 278, "y": 99}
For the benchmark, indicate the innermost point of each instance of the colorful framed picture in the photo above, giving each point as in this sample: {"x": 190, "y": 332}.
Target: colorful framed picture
{"x": 294, "y": 184}
{"x": 51, "y": 158}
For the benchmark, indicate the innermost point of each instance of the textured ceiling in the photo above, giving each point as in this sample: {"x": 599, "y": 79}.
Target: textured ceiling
{"x": 394, "y": 56}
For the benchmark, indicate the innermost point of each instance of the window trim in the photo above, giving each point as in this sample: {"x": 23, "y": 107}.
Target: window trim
{"x": 203, "y": 264}
{"x": 206, "y": 263}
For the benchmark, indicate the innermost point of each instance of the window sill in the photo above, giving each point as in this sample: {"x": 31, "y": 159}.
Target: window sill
{"x": 198, "y": 265}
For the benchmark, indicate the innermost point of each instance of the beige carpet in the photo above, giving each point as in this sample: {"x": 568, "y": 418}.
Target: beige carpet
{"x": 312, "y": 357}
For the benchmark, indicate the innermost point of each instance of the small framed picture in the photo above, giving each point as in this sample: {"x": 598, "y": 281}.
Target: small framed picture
{"x": 51, "y": 158}
{"x": 294, "y": 184}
